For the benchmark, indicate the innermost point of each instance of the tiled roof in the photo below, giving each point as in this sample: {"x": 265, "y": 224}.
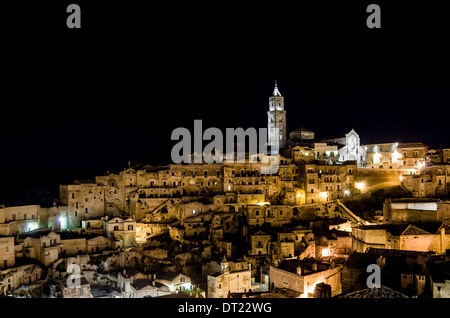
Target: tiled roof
{"x": 169, "y": 276}
{"x": 395, "y": 253}
{"x": 360, "y": 260}
{"x": 289, "y": 293}
{"x": 306, "y": 264}
{"x": 414, "y": 230}
{"x": 141, "y": 283}
{"x": 383, "y": 292}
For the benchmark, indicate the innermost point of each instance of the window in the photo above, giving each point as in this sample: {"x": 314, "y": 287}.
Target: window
{"x": 25, "y": 215}
{"x": 73, "y": 195}
{"x": 130, "y": 227}
{"x": 14, "y": 217}
{"x": 7, "y": 249}
{"x": 194, "y": 211}
{"x": 116, "y": 228}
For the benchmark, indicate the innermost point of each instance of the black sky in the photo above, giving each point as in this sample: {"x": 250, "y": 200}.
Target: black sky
{"x": 94, "y": 99}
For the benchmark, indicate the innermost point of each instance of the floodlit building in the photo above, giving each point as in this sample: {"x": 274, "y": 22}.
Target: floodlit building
{"x": 234, "y": 277}
{"x": 7, "y": 252}
{"x": 303, "y": 276}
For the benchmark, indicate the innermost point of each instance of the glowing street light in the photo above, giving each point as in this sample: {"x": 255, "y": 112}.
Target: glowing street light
{"x": 359, "y": 185}
{"x": 325, "y": 252}
{"x": 63, "y": 222}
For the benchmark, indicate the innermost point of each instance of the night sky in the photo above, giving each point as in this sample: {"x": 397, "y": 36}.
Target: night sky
{"x": 80, "y": 102}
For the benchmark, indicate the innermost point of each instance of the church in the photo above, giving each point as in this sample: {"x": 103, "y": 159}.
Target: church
{"x": 346, "y": 147}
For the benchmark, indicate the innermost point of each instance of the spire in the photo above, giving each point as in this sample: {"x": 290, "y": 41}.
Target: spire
{"x": 276, "y": 92}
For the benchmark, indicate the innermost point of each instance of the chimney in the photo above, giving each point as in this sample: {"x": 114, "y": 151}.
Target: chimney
{"x": 299, "y": 271}
{"x": 153, "y": 283}
{"x": 124, "y": 272}
{"x": 314, "y": 267}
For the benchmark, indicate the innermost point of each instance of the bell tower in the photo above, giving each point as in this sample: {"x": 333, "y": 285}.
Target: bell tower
{"x": 276, "y": 118}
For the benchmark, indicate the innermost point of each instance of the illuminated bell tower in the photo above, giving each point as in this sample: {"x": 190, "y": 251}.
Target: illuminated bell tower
{"x": 276, "y": 117}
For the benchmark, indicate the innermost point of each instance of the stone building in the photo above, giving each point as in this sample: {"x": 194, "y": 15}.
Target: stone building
{"x": 413, "y": 155}
{"x": 259, "y": 244}
{"x": 439, "y": 277}
{"x": 325, "y": 153}
{"x": 81, "y": 291}
{"x": 421, "y": 237}
{"x": 98, "y": 244}
{"x": 121, "y": 230}
{"x": 410, "y": 210}
{"x": 334, "y": 244}
{"x": 42, "y": 245}
{"x": 401, "y": 270}
{"x": 432, "y": 180}
{"x": 303, "y": 276}
{"x": 125, "y": 278}
{"x": 176, "y": 282}
{"x": 14, "y": 277}
{"x": 349, "y": 147}
{"x": 73, "y": 246}
{"x": 232, "y": 278}
{"x": 445, "y": 155}
{"x": 142, "y": 288}
{"x": 300, "y": 154}
{"x": 323, "y": 183}
{"x": 382, "y": 156}
{"x": 84, "y": 199}
{"x": 7, "y": 252}
{"x": 19, "y": 219}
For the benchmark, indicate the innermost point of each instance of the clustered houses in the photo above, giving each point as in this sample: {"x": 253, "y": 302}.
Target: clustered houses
{"x": 229, "y": 229}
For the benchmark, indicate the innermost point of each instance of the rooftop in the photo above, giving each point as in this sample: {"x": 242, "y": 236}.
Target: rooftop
{"x": 306, "y": 265}
{"x": 383, "y": 292}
